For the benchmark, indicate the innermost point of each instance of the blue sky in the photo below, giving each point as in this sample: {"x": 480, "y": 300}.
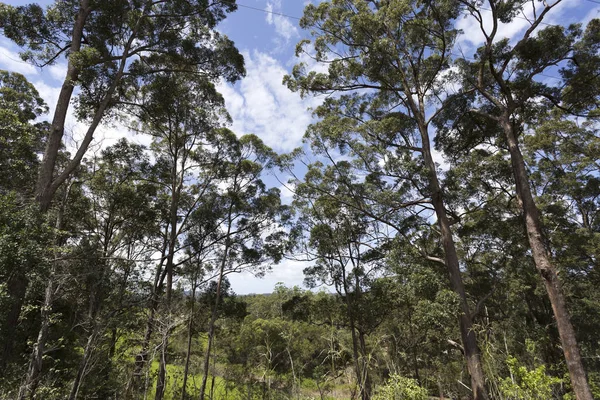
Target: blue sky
{"x": 259, "y": 103}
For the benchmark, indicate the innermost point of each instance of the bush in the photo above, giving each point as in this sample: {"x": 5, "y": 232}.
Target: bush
{"x": 527, "y": 384}
{"x": 400, "y": 388}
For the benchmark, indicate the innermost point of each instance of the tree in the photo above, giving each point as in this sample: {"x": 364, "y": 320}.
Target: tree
{"x": 500, "y": 97}
{"x": 110, "y": 47}
{"x": 390, "y": 61}
{"x": 251, "y": 218}
{"x": 20, "y": 142}
{"x": 121, "y": 216}
{"x": 181, "y": 114}
{"x": 21, "y": 138}
{"x": 345, "y": 246}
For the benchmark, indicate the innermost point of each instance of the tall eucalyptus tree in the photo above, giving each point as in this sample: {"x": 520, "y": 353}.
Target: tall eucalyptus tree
{"x": 390, "y": 60}
{"x": 504, "y": 93}
{"x": 110, "y": 46}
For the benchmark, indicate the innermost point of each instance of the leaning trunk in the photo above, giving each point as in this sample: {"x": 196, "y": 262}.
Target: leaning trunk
{"x": 469, "y": 340}
{"x": 83, "y": 365}
{"x": 44, "y": 194}
{"x": 95, "y": 304}
{"x": 544, "y": 265}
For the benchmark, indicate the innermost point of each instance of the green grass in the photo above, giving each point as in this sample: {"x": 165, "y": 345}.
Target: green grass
{"x": 175, "y": 382}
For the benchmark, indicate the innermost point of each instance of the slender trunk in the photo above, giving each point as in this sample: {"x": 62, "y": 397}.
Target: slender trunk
{"x": 34, "y": 368}
{"x": 44, "y": 194}
{"x": 212, "y": 387}
{"x": 162, "y": 369}
{"x": 544, "y": 265}
{"x": 142, "y": 357}
{"x": 469, "y": 340}
{"x": 366, "y": 377}
{"x": 30, "y": 384}
{"x": 213, "y": 317}
{"x": 97, "y": 295}
{"x": 189, "y": 342}
{"x": 287, "y": 349}
{"x": 355, "y": 352}
{"x": 89, "y": 347}
{"x": 112, "y": 344}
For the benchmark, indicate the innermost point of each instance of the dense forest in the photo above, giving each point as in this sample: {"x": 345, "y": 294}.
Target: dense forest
{"x": 446, "y": 207}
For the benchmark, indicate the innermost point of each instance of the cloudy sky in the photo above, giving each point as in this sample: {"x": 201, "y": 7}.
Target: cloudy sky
{"x": 266, "y": 32}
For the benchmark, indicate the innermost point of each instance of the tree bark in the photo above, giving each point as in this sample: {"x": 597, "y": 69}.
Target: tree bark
{"x": 468, "y": 338}
{"x": 78, "y": 381}
{"x": 97, "y": 295}
{"x": 174, "y": 207}
{"x": 544, "y": 265}
{"x": 189, "y": 342}
{"x": 142, "y": 357}
{"x": 355, "y": 350}
{"x": 213, "y": 316}
{"x": 43, "y": 193}
{"x": 365, "y": 366}
{"x": 29, "y": 386}
{"x": 48, "y": 183}
{"x": 34, "y": 369}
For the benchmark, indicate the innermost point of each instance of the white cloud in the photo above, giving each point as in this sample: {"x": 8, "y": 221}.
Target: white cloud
{"x": 288, "y": 271}
{"x": 260, "y": 104}
{"x": 11, "y": 61}
{"x": 287, "y": 189}
{"x": 593, "y": 13}
{"x": 284, "y": 29}
{"x": 48, "y": 93}
{"x": 106, "y": 134}
{"x": 472, "y": 35}
{"x": 58, "y": 71}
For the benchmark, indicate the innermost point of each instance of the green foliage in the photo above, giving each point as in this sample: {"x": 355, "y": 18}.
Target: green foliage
{"x": 526, "y": 384}
{"x": 401, "y": 388}
{"x": 151, "y": 28}
{"x": 21, "y": 140}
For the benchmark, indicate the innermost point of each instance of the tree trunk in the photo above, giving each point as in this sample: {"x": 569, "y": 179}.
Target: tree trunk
{"x": 77, "y": 382}
{"x": 162, "y": 369}
{"x": 34, "y": 369}
{"x": 189, "y": 342}
{"x": 142, "y": 357}
{"x": 355, "y": 351}
{"x": 43, "y": 193}
{"x": 469, "y": 340}
{"x": 544, "y": 265}
{"x": 213, "y": 318}
{"x": 31, "y": 380}
{"x": 365, "y": 366}
{"x": 97, "y": 295}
